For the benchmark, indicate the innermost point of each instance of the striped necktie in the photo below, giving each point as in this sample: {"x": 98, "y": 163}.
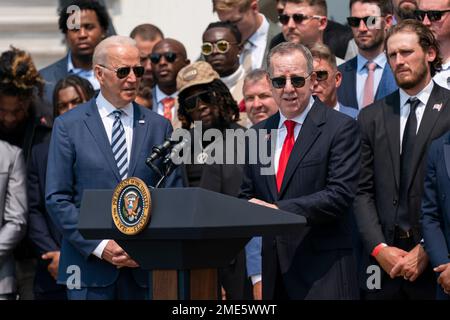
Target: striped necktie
{"x": 119, "y": 145}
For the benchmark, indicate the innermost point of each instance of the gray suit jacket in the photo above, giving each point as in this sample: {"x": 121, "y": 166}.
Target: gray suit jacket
{"x": 13, "y": 211}
{"x": 274, "y": 29}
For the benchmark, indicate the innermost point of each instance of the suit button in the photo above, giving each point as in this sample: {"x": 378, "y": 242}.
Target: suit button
{"x": 395, "y": 202}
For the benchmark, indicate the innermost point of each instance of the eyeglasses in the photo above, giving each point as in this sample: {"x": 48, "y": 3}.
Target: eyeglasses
{"x": 296, "y": 81}
{"x": 169, "y": 56}
{"x": 123, "y": 72}
{"x": 433, "y": 15}
{"x": 322, "y": 75}
{"x": 190, "y": 103}
{"x": 297, "y": 17}
{"x": 222, "y": 46}
{"x": 370, "y": 21}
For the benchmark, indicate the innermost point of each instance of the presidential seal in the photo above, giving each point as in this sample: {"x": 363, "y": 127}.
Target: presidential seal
{"x": 131, "y": 206}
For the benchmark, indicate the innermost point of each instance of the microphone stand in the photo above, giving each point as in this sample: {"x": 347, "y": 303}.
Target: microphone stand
{"x": 166, "y": 169}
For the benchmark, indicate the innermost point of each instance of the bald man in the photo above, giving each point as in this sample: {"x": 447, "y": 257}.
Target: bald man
{"x": 168, "y": 58}
{"x": 82, "y": 147}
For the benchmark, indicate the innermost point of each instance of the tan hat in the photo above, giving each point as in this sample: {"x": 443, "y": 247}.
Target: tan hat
{"x": 199, "y": 72}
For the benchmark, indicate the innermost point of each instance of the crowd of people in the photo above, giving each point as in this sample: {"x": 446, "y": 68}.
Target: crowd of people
{"x": 361, "y": 121}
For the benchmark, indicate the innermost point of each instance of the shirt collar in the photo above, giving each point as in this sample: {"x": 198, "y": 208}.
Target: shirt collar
{"x": 423, "y": 95}
{"x": 446, "y": 66}
{"x": 105, "y": 108}
{"x": 300, "y": 118}
{"x": 161, "y": 95}
{"x": 71, "y": 68}
{"x": 380, "y": 60}
{"x": 260, "y": 35}
{"x": 233, "y": 78}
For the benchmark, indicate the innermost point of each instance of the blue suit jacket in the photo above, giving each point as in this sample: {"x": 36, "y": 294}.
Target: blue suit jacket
{"x": 80, "y": 158}
{"x": 350, "y": 111}
{"x": 347, "y": 91}
{"x": 41, "y": 229}
{"x": 319, "y": 183}
{"x": 435, "y": 214}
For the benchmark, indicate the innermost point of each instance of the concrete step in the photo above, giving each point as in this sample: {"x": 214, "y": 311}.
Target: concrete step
{"x": 37, "y": 19}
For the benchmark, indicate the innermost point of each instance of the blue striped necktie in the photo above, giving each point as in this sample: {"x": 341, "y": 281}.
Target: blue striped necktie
{"x": 119, "y": 145}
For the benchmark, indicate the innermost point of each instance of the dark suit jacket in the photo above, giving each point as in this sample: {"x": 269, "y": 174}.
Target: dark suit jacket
{"x": 347, "y": 91}
{"x": 435, "y": 216}
{"x": 42, "y": 232}
{"x": 319, "y": 183}
{"x": 377, "y": 200}
{"x": 80, "y": 158}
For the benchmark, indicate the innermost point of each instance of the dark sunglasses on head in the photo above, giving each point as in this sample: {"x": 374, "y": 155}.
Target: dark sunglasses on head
{"x": 222, "y": 46}
{"x": 123, "y": 72}
{"x": 433, "y": 15}
{"x": 297, "y": 17}
{"x": 369, "y": 21}
{"x": 322, "y": 75}
{"x": 190, "y": 103}
{"x": 169, "y": 56}
{"x": 296, "y": 82}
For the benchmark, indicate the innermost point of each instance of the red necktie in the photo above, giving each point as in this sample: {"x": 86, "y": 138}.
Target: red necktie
{"x": 168, "y": 104}
{"x": 288, "y": 144}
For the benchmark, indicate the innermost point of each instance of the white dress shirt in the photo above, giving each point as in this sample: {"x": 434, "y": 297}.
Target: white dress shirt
{"x": 282, "y": 130}
{"x": 423, "y": 96}
{"x": 105, "y": 108}
{"x": 257, "y": 44}
{"x": 160, "y": 107}
{"x": 86, "y": 74}
{"x": 362, "y": 73}
{"x": 443, "y": 78}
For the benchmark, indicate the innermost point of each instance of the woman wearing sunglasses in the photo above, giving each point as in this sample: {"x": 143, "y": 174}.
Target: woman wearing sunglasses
{"x": 204, "y": 98}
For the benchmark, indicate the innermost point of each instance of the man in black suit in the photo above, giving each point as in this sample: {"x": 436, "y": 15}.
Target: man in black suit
{"x": 394, "y": 144}
{"x": 81, "y": 41}
{"x": 315, "y": 173}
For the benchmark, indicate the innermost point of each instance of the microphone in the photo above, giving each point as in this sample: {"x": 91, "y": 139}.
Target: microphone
{"x": 176, "y": 149}
{"x": 159, "y": 151}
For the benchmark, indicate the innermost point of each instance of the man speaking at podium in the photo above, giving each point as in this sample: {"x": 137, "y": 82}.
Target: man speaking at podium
{"x": 95, "y": 146}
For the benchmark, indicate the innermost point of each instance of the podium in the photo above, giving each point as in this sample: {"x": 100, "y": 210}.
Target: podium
{"x": 192, "y": 232}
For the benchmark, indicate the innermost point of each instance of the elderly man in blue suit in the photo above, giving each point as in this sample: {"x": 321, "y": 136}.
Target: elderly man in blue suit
{"x": 95, "y": 146}
{"x": 435, "y": 217}
{"x": 367, "y": 77}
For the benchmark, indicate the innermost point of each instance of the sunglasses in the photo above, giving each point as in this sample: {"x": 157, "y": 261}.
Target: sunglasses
{"x": 296, "y": 81}
{"x": 297, "y": 17}
{"x": 433, "y": 15}
{"x": 190, "y": 103}
{"x": 222, "y": 46}
{"x": 322, "y": 75}
{"x": 123, "y": 72}
{"x": 169, "y": 56}
{"x": 370, "y": 21}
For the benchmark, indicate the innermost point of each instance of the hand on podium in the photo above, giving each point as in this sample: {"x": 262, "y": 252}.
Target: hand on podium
{"x": 115, "y": 255}
{"x": 262, "y": 203}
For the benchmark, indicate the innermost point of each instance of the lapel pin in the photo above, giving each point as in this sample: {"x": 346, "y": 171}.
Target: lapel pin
{"x": 437, "y": 106}
{"x": 141, "y": 121}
